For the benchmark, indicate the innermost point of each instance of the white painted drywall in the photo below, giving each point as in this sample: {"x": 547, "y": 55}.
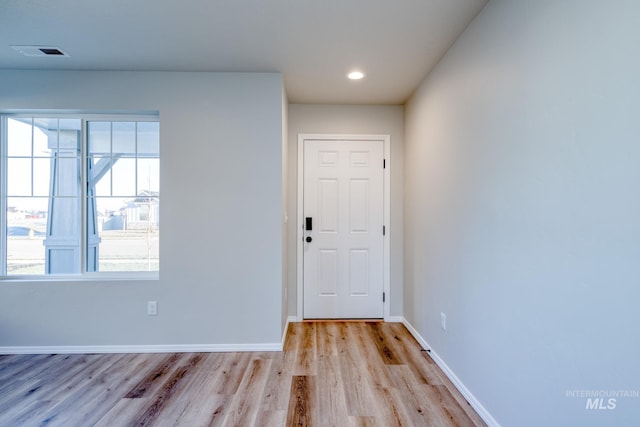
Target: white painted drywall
{"x": 221, "y": 250}
{"x": 522, "y": 210}
{"x": 350, "y": 119}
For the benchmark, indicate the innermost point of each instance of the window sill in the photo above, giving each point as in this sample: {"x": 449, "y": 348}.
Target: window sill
{"x": 87, "y": 277}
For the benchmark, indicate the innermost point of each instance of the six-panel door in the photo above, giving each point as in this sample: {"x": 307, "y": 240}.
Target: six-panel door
{"x": 343, "y": 261}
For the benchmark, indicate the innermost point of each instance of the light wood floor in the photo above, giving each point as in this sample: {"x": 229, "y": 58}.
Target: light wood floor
{"x": 330, "y": 374}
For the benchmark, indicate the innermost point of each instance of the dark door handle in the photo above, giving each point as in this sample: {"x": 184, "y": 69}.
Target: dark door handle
{"x": 308, "y": 239}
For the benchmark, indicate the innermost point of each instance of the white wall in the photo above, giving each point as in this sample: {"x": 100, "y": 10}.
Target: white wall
{"x": 522, "y": 209}
{"x": 350, "y": 119}
{"x": 221, "y": 251}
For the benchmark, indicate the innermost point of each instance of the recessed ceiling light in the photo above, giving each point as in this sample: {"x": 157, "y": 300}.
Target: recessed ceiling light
{"x": 40, "y": 51}
{"x": 355, "y": 75}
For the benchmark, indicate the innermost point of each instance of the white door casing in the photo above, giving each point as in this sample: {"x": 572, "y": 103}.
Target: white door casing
{"x": 343, "y": 188}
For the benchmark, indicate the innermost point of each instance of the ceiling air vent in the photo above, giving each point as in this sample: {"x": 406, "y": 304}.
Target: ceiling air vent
{"x": 40, "y": 51}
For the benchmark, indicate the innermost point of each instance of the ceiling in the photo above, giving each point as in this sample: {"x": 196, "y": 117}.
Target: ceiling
{"x": 313, "y": 43}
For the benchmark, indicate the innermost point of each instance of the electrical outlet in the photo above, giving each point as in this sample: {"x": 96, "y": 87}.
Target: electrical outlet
{"x": 443, "y": 321}
{"x": 152, "y": 308}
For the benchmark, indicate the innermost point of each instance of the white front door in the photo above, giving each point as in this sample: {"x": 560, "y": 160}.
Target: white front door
{"x": 343, "y": 212}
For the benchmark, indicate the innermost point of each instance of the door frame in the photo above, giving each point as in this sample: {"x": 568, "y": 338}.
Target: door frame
{"x": 386, "y": 140}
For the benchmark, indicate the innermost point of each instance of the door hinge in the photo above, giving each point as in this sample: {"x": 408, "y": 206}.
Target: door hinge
{"x": 383, "y": 297}
{"x": 384, "y": 230}
{"x": 384, "y": 163}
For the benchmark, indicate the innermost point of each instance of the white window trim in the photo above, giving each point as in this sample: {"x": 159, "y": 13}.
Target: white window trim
{"x": 84, "y": 276}
{"x": 3, "y": 193}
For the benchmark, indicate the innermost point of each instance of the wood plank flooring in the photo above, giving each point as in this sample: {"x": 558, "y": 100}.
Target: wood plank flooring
{"x": 329, "y": 374}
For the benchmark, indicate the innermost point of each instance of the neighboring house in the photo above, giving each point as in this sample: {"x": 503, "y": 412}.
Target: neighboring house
{"x": 14, "y": 214}
{"x": 142, "y": 212}
{"x": 137, "y": 214}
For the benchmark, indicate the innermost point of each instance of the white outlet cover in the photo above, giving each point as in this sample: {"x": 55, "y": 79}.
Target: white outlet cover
{"x": 152, "y": 308}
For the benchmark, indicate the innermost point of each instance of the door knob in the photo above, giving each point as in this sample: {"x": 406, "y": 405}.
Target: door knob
{"x": 308, "y": 239}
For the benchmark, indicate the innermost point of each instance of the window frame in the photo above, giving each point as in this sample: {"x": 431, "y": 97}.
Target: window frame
{"x": 85, "y": 118}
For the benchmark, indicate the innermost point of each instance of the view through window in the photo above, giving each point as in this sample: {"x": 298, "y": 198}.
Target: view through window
{"x": 80, "y": 195}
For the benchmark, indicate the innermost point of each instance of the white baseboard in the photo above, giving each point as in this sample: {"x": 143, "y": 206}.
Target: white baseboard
{"x": 186, "y": 348}
{"x": 394, "y": 319}
{"x": 416, "y": 335}
{"x": 475, "y": 404}
{"x": 290, "y": 319}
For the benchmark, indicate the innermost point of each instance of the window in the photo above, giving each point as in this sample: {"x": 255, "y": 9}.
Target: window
{"x": 80, "y": 195}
